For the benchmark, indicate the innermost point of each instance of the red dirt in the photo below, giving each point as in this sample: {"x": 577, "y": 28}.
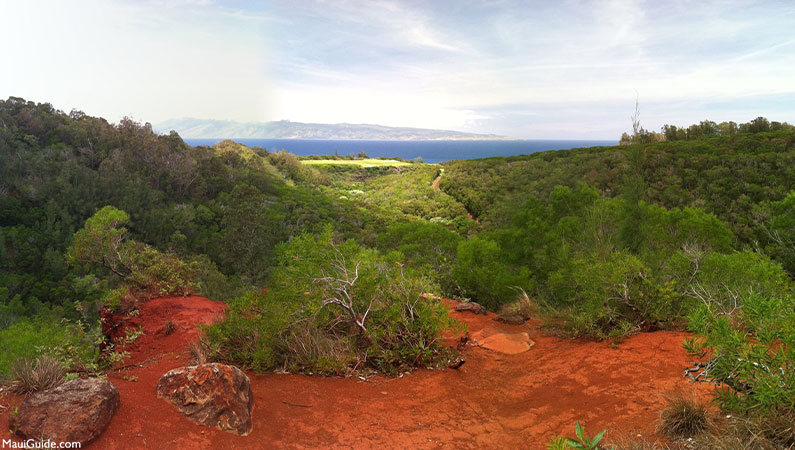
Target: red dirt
{"x": 494, "y": 400}
{"x": 436, "y": 182}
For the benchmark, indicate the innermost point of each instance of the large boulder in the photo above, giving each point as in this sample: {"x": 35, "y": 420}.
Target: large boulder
{"x": 76, "y": 411}
{"x": 213, "y": 394}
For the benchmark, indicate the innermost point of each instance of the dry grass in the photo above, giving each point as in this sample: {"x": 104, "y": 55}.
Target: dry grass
{"x": 168, "y": 328}
{"x": 327, "y": 350}
{"x": 33, "y": 375}
{"x": 200, "y": 352}
{"x": 642, "y": 444}
{"x": 522, "y": 309}
{"x": 771, "y": 431}
{"x": 683, "y": 417}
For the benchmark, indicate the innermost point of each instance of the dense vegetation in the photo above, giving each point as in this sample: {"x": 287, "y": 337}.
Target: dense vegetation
{"x": 324, "y": 267}
{"x": 333, "y": 308}
{"x": 216, "y": 212}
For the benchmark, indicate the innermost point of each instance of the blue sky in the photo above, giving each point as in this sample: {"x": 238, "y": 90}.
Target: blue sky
{"x": 545, "y": 69}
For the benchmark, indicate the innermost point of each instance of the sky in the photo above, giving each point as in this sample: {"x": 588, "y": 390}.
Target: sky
{"x": 531, "y": 69}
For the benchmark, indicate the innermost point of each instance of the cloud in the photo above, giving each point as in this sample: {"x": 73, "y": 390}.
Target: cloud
{"x": 530, "y": 69}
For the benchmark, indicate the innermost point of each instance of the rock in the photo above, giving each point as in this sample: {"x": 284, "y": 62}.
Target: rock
{"x": 212, "y": 394}
{"x": 471, "y": 307}
{"x": 76, "y": 411}
{"x": 511, "y": 319}
{"x": 507, "y": 343}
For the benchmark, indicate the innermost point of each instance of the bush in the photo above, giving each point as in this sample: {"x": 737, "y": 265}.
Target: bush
{"x": 48, "y": 335}
{"x": 291, "y": 167}
{"x": 613, "y": 297}
{"x": 157, "y": 274}
{"x": 210, "y": 282}
{"x": 722, "y": 281}
{"x": 334, "y": 309}
{"x": 754, "y": 346}
{"x": 139, "y": 270}
{"x": 424, "y": 246}
{"x": 484, "y": 277}
{"x": 33, "y": 375}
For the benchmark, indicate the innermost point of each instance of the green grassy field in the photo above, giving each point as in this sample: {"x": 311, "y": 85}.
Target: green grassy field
{"x": 357, "y": 162}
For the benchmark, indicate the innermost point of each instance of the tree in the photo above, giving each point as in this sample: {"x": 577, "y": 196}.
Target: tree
{"x": 633, "y": 192}
{"x": 102, "y": 241}
{"x": 142, "y": 270}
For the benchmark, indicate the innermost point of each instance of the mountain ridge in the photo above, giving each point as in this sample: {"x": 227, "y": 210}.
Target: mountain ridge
{"x": 191, "y": 128}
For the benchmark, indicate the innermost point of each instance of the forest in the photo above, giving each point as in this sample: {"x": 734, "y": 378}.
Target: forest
{"x": 326, "y": 269}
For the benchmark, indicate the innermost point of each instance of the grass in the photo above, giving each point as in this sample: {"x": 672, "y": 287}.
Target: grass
{"x": 32, "y": 375}
{"x": 684, "y": 417}
{"x": 371, "y": 162}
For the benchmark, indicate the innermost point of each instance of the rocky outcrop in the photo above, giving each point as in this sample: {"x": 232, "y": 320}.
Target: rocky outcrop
{"x": 76, "y": 411}
{"x": 471, "y": 307}
{"x": 213, "y": 394}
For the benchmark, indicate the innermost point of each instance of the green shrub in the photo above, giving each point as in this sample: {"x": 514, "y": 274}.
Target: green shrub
{"x": 483, "y": 276}
{"x": 613, "y": 297}
{"x": 210, "y": 282}
{"x": 291, "y": 167}
{"x": 48, "y": 335}
{"x": 158, "y": 274}
{"x": 333, "y": 309}
{"x": 777, "y": 223}
{"x": 424, "y": 246}
{"x": 754, "y": 346}
{"x": 723, "y": 280}
{"x": 138, "y": 270}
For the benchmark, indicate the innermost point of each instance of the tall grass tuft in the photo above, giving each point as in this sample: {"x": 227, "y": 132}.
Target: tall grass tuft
{"x": 683, "y": 417}
{"x": 33, "y": 375}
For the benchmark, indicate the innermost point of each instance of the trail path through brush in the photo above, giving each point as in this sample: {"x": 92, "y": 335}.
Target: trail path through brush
{"x": 496, "y": 400}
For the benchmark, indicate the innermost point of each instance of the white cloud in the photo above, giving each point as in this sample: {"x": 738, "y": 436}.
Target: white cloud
{"x": 533, "y": 69}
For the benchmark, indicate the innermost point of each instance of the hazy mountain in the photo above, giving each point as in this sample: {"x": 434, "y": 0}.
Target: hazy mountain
{"x": 284, "y": 129}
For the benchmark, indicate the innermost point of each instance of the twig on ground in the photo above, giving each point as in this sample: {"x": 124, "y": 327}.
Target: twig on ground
{"x": 296, "y": 404}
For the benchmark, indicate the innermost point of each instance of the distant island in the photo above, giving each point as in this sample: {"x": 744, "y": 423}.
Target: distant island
{"x": 284, "y": 129}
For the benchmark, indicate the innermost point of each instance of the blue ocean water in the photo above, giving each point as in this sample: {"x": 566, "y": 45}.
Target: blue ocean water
{"x": 429, "y": 151}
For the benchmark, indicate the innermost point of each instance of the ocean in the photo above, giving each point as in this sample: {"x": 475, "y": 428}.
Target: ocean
{"x": 429, "y": 151}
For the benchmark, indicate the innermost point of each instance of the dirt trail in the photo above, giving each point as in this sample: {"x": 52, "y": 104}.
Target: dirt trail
{"x": 495, "y": 400}
{"x": 436, "y": 182}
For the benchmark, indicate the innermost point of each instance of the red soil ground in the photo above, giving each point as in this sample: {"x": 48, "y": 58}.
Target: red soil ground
{"x": 494, "y": 400}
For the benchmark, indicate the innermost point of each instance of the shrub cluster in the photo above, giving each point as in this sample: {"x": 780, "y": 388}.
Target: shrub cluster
{"x": 753, "y": 343}
{"x": 29, "y": 338}
{"x": 141, "y": 271}
{"x": 334, "y": 308}
{"x": 599, "y": 267}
